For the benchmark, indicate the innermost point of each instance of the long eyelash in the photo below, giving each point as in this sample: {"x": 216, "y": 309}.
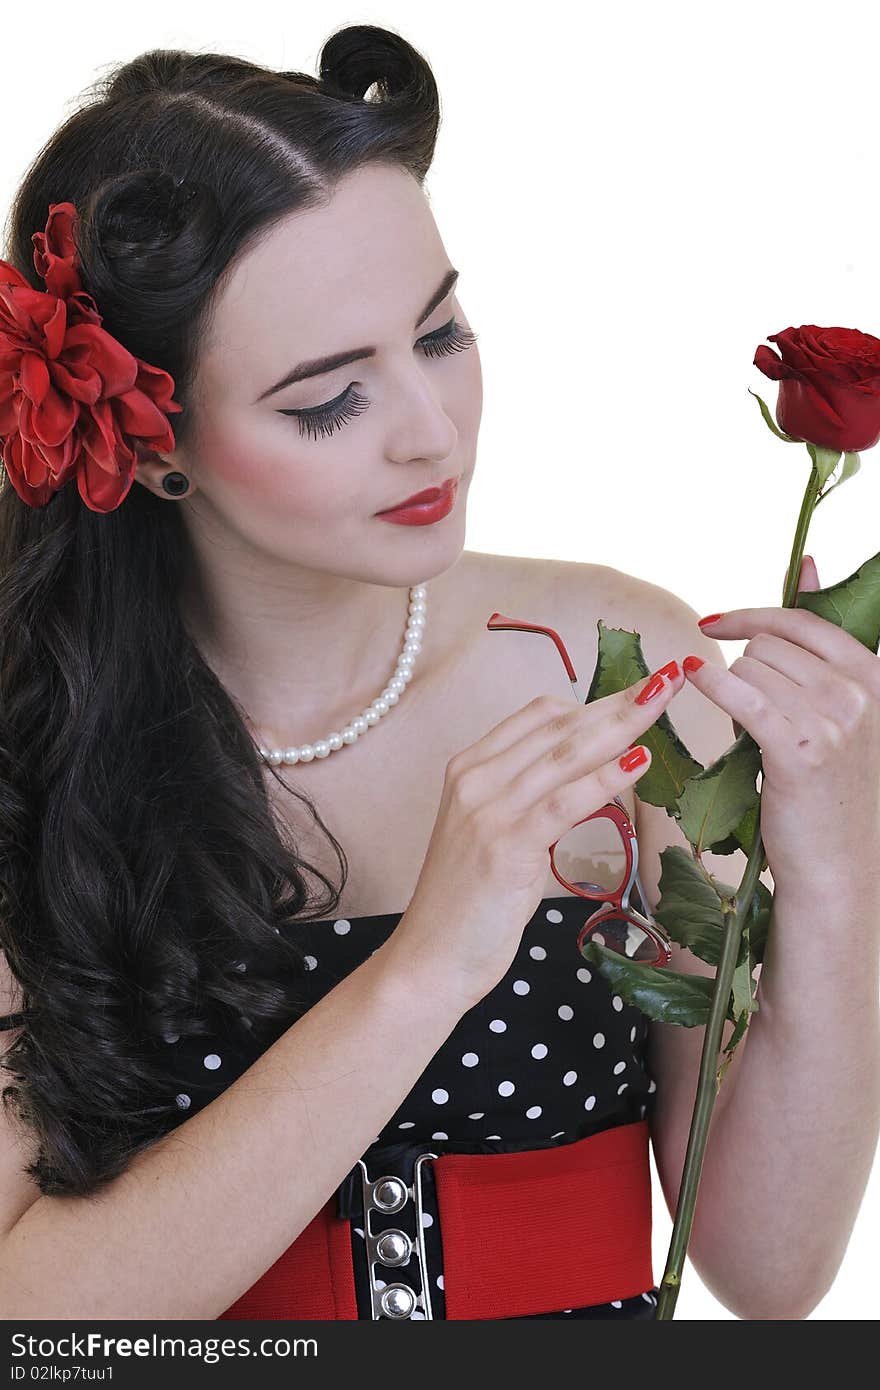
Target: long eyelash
{"x": 451, "y": 338}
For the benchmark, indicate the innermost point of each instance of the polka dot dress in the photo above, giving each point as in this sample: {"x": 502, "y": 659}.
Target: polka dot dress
{"x": 549, "y": 1056}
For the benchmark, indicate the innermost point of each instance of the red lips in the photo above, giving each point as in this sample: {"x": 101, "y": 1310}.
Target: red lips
{"x": 430, "y": 494}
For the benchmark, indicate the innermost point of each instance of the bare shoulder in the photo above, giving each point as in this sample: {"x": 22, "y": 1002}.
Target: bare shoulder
{"x": 578, "y": 594}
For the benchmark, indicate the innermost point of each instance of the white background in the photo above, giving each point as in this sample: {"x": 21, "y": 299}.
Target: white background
{"x": 636, "y": 196}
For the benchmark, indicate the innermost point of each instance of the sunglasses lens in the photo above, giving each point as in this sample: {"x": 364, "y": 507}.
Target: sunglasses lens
{"x": 627, "y": 937}
{"x": 591, "y": 856}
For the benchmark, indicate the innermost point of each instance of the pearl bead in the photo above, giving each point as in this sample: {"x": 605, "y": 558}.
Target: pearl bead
{"x": 378, "y": 708}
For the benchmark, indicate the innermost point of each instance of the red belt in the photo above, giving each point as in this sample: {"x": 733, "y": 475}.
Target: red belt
{"x": 522, "y": 1233}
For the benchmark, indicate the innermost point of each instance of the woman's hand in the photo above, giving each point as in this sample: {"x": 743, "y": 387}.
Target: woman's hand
{"x": 809, "y": 695}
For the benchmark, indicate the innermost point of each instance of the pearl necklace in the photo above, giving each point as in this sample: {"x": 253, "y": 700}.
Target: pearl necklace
{"x": 403, "y": 673}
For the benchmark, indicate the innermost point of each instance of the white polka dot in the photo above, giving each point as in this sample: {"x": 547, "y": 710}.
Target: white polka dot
{"x": 566, "y": 1310}
{"x": 477, "y": 1115}
{"x": 427, "y": 1219}
{"x": 439, "y": 1097}
{"x": 584, "y": 975}
{"x": 360, "y": 1232}
{"x": 617, "y": 1002}
{"x": 632, "y": 1033}
{"x": 183, "y": 1101}
{"x": 565, "y": 1011}
{"x": 440, "y": 1283}
{"x": 569, "y": 1078}
{"x": 470, "y": 1059}
{"x": 652, "y": 1087}
{"x": 439, "y": 1134}
{"x": 644, "y": 1108}
{"x": 558, "y": 1134}
{"x": 646, "y": 1296}
{"x": 498, "y": 1026}
{"x": 310, "y": 962}
{"x": 240, "y": 965}
{"x": 171, "y": 1037}
{"x": 533, "y": 1112}
{"x": 212, "y": 1061}
{"x": 342, "y": 926}
{"x": 589, "y": 1102}
{"x": 521, "y": 986}
{"x": 616, "y": 1303}
{"x": 416, "y": 1314}
{"x": 506, "y": 1088}
{"x": 378, "y": 1283}
{"x": 406, "y": 1124}
{"x": 493, "y": 1136}
{"x": 621, "y": 1066}
{"x": 553, "y": 914}
{"x": 598, "y": 1039}
{"x": 539, "y": 1050}
{"x": 537, "y": 953}
{"x": 621, "y": 1089}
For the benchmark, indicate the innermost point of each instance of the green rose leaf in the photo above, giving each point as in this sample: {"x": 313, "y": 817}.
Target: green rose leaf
{"x": 743, "y": 835}
{"x": 853, "y": 604}
{"x": 689, "y": 907}
{"x": 620, "y": 663}
{"x": 742, "y": 987}
{"x": 715, "y": 801}
{"x": 663, "y": 995}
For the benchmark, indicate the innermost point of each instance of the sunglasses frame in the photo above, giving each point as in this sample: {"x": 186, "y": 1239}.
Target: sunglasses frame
{"x": 613, "y": 903}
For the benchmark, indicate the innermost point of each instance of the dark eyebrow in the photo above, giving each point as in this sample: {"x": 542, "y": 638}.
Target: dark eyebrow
{"x": 320, "y": 365}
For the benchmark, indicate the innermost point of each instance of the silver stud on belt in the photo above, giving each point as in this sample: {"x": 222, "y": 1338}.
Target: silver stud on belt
{"x": 393, "y": 1247}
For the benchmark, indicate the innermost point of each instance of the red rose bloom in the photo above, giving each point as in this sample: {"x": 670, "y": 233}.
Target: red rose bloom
{"x": 72, "y": 398}
{"x": 829, "y": 385}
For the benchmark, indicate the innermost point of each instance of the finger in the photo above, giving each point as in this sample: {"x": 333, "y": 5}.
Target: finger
{"x": 746, "y": 703}
{"x": 544, "y": 761}
{"x": 798, "y": 625}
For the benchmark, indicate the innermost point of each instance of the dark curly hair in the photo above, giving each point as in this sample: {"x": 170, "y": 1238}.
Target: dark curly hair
{"x": 139, "y": 858}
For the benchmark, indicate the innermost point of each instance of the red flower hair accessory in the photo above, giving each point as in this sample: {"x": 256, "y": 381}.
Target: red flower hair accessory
{"x": 72, "y": 398}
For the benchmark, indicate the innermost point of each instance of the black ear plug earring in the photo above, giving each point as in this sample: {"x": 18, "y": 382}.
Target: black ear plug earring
{"x": 176, "y": 484}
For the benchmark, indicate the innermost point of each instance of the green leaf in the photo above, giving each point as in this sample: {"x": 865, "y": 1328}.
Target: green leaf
{"x": 689, "y": 906}
{"x": 742, "y": 987}
{"x": 620, "y": 663}
{"x": 851, "y": 465}
{"x": 663, "y": 995}
{"x": 824, "y": 462}
{"x": 771, "y": 422}
{"x": 716, "y": 800}
{"x": 853, "y": 604}
{"x": 758, "y": 921}
{"x": 743, "y": 835}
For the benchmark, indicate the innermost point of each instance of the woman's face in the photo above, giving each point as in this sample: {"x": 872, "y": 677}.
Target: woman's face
{"x": 298, "y": 472}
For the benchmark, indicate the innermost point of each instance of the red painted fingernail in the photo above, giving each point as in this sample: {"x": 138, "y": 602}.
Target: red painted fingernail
{"x": 632, "y": 760}
{"x": 712, "y": 618}
{"x": 654, "y": 686}
{"x": 670, "y": 670}
{"x": 693, "y": 663}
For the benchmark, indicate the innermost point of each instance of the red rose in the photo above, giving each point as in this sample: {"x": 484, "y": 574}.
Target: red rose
{"x": 72, "y": 398}
{"x": 829, "y": 392}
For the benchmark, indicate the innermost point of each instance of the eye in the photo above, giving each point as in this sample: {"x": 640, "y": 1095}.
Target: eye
{"x": 325, "y": 419}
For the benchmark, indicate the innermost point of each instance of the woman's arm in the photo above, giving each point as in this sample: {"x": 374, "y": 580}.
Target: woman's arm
{"x": 198, "y": 1217}
{"x": 795, "y": 1124}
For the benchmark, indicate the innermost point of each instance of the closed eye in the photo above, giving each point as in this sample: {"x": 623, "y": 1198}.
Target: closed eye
{"x": 325, "y": 419}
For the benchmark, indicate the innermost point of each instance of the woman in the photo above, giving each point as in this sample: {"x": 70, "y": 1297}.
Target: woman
{"x": 182, "y": 1014}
